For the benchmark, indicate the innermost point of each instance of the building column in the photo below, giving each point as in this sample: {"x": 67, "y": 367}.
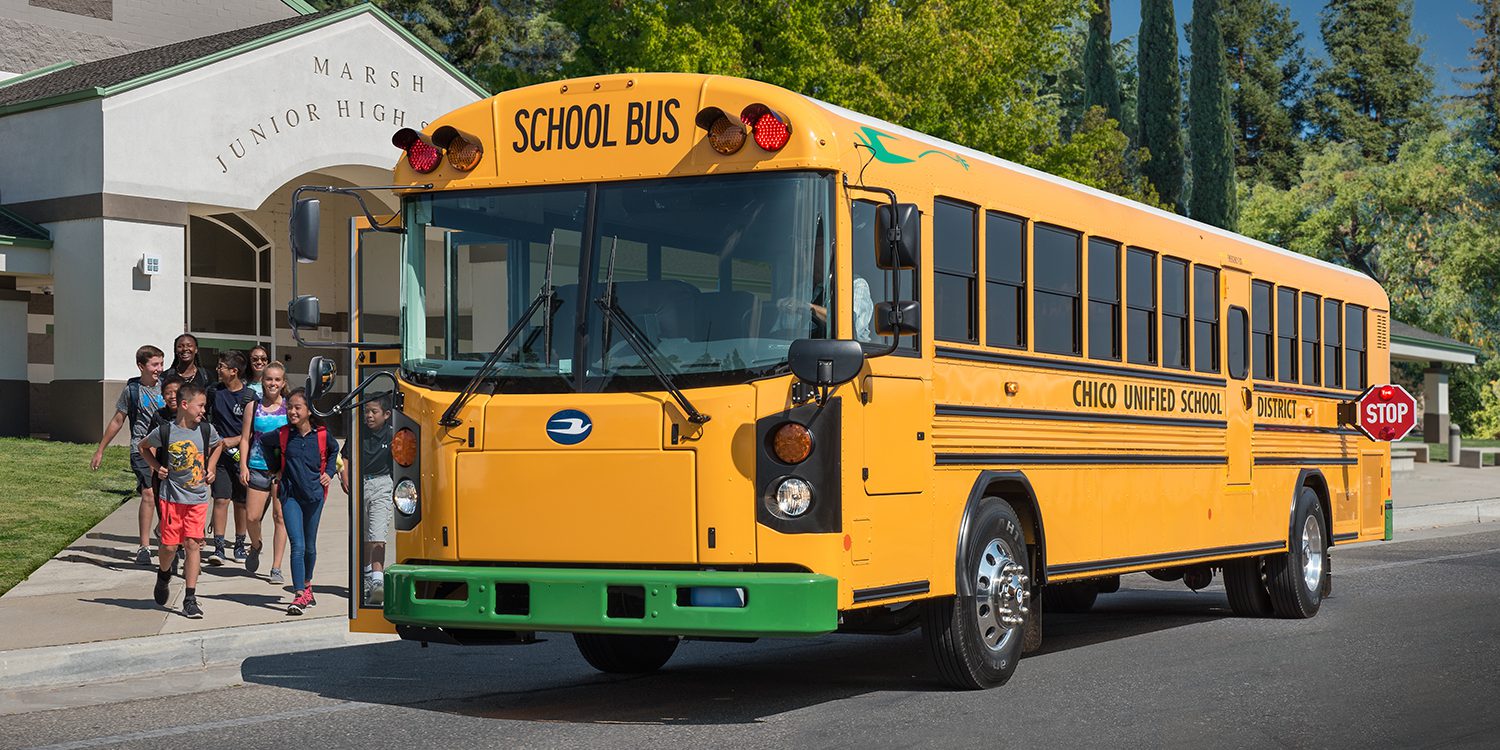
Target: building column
{"x": 15, "y": 388}
{"x": 1435, "y": 410}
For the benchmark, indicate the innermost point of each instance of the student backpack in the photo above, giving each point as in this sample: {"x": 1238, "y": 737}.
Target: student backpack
{"x": 164, "y": 434}
{"x": 284, "y": 433}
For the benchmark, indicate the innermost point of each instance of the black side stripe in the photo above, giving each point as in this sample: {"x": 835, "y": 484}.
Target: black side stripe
{"x": 1306, "y": 429}
{"x": 1171, "y": 557}
{"x": 1345, "y": 537}
{"x": 949, "y": 352}
{"x": 954, "y": 410}
{"x": 1264, "y": 387}
{"x": 891, "y": 592}
{"x": 1281, "y": 461}
{"x": 1012, "y": 459}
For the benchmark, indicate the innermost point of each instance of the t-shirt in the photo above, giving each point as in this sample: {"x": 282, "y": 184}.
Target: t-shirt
{"x": 187, "y": 477}
{"x": 299, "y": 478}
{"x": 266, "y": 421}
{"x": 226, "y": 410}
{"x": 199, "y": 378}
{"x": 150, "y": 401}
{"x": 259, "y": 390}
{"x": 374, "y": 449}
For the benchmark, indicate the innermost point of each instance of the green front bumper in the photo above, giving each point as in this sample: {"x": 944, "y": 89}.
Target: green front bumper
{"x": 578, "y": 600}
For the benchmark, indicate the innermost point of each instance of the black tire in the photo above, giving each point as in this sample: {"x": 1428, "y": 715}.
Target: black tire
{"x": 625, "y": 654}
{"x": 952, "y": 625}
{"x": 1070, "y": 597}
{"x": 1108, "y": 584}
{"x": 1245, "y": 583}
{"x": 1286, "y": 573}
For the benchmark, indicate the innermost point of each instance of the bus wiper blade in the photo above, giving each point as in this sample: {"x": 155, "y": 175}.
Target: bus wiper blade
{"x": 643, "y": 348}
{"x": 544, "y": 296}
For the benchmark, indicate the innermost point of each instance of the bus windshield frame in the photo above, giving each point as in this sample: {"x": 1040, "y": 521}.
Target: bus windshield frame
{"x": 720, "y": 273}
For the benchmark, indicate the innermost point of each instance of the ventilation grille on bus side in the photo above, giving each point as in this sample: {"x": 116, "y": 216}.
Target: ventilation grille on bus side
{"x": 1382, "y": 331}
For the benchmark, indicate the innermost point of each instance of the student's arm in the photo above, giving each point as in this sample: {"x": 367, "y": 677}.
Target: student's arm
{"x": 247, "y": 436}
{"x": 331, "y": 465}
{"x": 112, "y": 429}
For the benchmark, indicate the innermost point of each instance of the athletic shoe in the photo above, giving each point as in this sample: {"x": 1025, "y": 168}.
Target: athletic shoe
{"x": 143, "y": 556}
{"x": 276, "y": 578}
{"x": 190, "y": 608}
{"x": 216, "y": 557}
{"x": 239, "y": 549}
{"x": 302, "y": 602}
{"x": 376, "y": 586}
{"x": 252, "y": 559}
{"x": 161, "y": 592}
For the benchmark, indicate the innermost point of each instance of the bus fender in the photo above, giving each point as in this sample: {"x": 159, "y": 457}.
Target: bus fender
{"x": 1014, "y": 488}
{"x": 1314, "y": 479}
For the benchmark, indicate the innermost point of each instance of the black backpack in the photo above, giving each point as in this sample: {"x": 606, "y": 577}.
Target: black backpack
{"x": 164, "y": 435}
{"x": 133, "y": 394}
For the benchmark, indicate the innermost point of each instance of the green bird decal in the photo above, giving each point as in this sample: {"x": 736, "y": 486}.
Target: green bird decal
{"x": 874, "y": 140}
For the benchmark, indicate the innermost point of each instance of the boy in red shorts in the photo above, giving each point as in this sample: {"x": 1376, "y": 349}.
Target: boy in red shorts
{"x": 191, "y": 453}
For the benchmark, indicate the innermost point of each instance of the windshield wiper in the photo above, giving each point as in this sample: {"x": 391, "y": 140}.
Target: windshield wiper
{"x": 544, "y": 297}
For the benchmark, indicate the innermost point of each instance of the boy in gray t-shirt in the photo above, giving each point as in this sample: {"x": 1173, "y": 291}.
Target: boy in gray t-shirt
{"x": 138, "y": 401}
{"x": 191, "y": 454}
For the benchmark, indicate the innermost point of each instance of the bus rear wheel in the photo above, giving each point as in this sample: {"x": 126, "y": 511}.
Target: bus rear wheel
{"x": 976, "y": 637}
{"x": 625, "y": 654}
{"x": 1245, "y": 583}
{"x": 1295, "y": 577}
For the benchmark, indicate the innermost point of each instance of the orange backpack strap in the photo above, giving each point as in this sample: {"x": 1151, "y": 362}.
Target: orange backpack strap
{"x": 323, "y": 454}
{"x": 282, "y": 433}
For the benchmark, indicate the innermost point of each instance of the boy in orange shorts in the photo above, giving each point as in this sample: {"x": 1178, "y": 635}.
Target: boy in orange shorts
{"x": 191, "y": 451}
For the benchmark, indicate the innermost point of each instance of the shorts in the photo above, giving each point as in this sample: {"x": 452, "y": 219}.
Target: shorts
{"x": 144, "y": 477}
{"x": 260, "y": 479}
{"x": 380, "y": 507}
{"x": 182, "y": 521}
{"x": 227, "y": 482}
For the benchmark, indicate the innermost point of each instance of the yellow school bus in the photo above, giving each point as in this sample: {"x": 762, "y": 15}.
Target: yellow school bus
{"x": 686, "y": 356}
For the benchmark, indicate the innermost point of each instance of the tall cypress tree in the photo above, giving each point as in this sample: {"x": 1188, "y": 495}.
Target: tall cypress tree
{"x": 1100, "y": 86}
{"x": 1267, "y": 71}
{"x": 1486, "y": 56}
{"x": 1374, "y": 90}
{"x": 1159, "y": 101}
{"x": 1213, "y": 195}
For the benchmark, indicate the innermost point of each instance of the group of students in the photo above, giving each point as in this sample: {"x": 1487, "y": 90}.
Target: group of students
{"x": 239, "y": 439}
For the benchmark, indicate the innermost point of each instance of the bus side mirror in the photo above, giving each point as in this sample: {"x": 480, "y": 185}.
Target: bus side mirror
{"x": 305, "y": 216}
{"x": 304, "y": 312}
{"x": 898, "y": 236}
{"x": 826, "y": 362}
{"x": 320, "y": 372}
{"x": 902, "y": 318}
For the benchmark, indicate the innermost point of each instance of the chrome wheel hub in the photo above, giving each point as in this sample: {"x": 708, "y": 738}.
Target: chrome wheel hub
{"x": 1312, "y": 553}
{"x": 1001, "y": 593}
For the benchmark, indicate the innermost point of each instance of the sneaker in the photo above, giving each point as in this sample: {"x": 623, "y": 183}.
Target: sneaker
{"x": 276, "y": 578}
{"x": 216, "y": 557}
{"x": 190, "y": 608}
{"x": 303, "y": 601}
{"x": 143, "y": 556}
{"x": 252, "y": 559}
{"x": 239, "y": 549}
{"x": 375, "y": 585}
{"x": 161, "y": 592}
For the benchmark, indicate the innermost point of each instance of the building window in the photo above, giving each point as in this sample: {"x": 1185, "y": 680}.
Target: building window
{"x": 1205, "y": 319}
{"x": 228, "y": 283}
{"x": 1055, "y": 307}
{"x": 1140, "y": 306}
{"x": 1263, "y": 348}
{"x": 1104, "y": 299}
{"x": 1005, "y": 280}
{"x": 1286, "y": 334}
{"x": 1333, "y": 360}
{"x": 1310, "y": 345}
{"x": 955, "y": 258}
{"x": 1354, "y": 346}
{"x": 1174, "y": 313}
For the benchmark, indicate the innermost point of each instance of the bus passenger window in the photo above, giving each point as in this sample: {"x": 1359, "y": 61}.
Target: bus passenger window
{"x": 1310, "y": 345}
{"x": 1333, "y": 360}
{"x": 1205, "y": 319}
{"x": 1239, "y": 343}
{"x": 1055, "y": 305}
{"x": 955, "y": 257}
{"x": 1005, "y": 280}
{"x": 1286, "y": 334}
{"x": 1104, "y": 299}
{"x": 1354, "y": 347}
{"x": 877, "y": 281}
{"x": 1140, "y": 303}
{"x": 1174, "y": 321}
{"x": 1264, "y": 349}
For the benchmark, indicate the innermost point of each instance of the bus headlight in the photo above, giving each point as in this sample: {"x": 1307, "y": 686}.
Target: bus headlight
{"x": 793, "y": 497}
{"x": 405, "y": 495}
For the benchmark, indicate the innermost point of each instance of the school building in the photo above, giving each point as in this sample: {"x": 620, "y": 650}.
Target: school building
{"x": 148, "y": 150}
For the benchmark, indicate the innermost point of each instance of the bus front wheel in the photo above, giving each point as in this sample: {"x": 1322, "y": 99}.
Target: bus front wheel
{"x": 1295, "y": 577}
{"x": 1245, "y": 584}
{"x": 976, "y": 637}
{"x": 625, "y": 654}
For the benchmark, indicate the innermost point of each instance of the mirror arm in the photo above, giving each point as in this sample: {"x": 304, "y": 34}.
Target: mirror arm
{"x": 348, "y": 401}
{"x": 894, "y": 237}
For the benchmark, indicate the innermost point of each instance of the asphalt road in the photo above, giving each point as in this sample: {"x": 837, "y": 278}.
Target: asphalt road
{"x": 1405, "y": 654}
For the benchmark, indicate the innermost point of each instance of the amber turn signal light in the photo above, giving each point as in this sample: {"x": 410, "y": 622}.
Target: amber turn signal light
{"x": 792, "y": 443}
{"x": 724, "y": 134}
{"x": 404, "y": 447}
{"x": 464, "y": 151}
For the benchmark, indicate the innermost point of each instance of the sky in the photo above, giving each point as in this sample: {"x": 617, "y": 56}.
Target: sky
{"x": 1445, "y": 48}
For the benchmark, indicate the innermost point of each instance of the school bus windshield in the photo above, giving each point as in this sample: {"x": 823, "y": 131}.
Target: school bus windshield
{"x": 717, "y": 274}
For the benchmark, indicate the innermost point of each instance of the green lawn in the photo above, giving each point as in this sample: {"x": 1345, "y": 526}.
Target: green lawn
{"x": 51, "y": 499}
{"x": 1439, "y": 451}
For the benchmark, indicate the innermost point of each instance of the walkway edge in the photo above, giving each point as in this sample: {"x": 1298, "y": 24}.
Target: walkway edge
{"x": 1457, "y": 513}
{"x": 128, "y": 657}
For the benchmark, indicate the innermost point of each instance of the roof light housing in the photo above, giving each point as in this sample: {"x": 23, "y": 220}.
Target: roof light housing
{"x": 771, "y": 129}
{"x": 725, "y": 136}
{"x": 464, "y": 151}
{"x": 421, "y": 154}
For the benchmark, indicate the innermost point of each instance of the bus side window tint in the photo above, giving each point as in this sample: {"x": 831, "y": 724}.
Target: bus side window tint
{"x": 1104, "y": 299}
{"x": 1286, "y": 334}
{"x": 1264, "y": 348}
{"x": 955, "y": 303}
{"x": 1239, "y": 343}
{"x": 1057, "y": 295}
{"x": 1354, "y": 347}
{"x": 1005, "y": 280}
{"x": 862, "y": 245}
{"x": 1140, "y": 303}
{"x": 1205, "y": 319}
{"x": 1333, "y": 359}
{"x": 1310, "y": 343}
{"x": 1174, "y": 312}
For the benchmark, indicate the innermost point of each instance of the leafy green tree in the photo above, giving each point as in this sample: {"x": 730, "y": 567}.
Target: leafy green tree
{"x": 1268, "y": 78}
{"x": 1159, "y": 101}
{"x": 1101, "y": 88}
{"x": 1374, "y": 90}
{"x": 1213, "y": 198}
{"x": 1099, "y": 155}
{"x": 1485, "y": 93}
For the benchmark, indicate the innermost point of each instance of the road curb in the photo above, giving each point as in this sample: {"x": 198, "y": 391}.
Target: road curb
{"x": 1486, "y": 510}
{"x": 128, "y": 657}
